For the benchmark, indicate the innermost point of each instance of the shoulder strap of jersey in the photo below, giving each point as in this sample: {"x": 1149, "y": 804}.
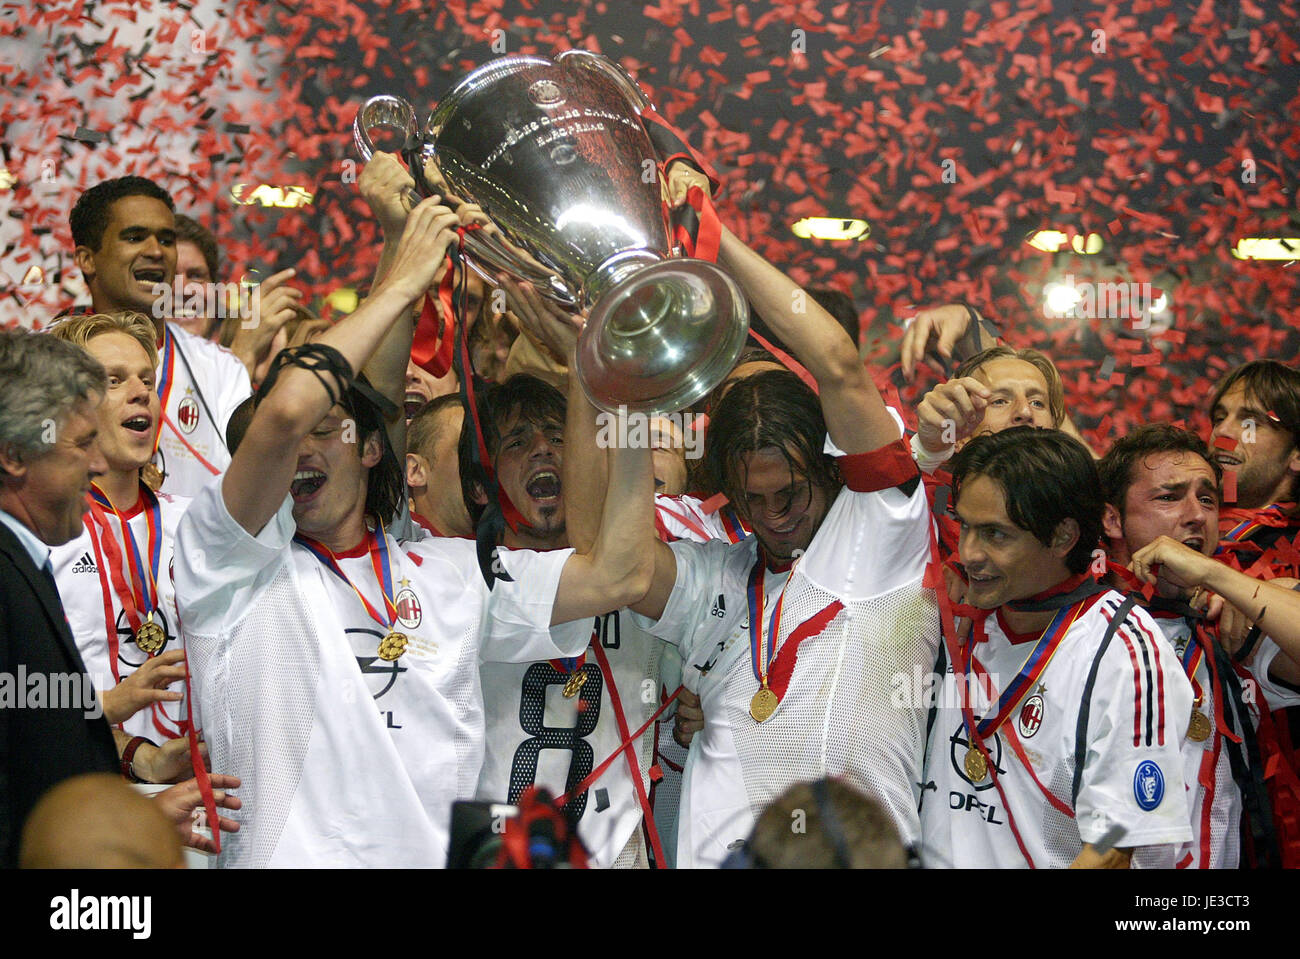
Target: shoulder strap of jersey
{"x": 1245, "y": 761}
{"x": 1081, "y": 728}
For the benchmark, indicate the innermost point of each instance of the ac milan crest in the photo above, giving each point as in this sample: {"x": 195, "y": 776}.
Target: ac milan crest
{"x": 1031, "y": 716}
{"x": 187, "y": 414}
{"x": 408, "y": 608}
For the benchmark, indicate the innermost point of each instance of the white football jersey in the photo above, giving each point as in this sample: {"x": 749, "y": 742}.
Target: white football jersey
{"x": 680, "y": 517}
{"x": 837, "y": 717}
{"x": 201, "y": 383}
{"x": 536, "y": 736}
{"x": 347, "y": 759}
{"x": 1213, "y": 795}
{"x": 104, "y": 637}
{"x": 1133, "y": 772}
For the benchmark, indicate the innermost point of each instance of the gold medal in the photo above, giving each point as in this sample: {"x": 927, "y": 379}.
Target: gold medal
{"x": 1198, "y": 730}
{"x": 392, "y": 646}
{"x": 577, "y": 679}
{"x": 977, "y": 767}
{"x": 763, "y": 705}
{"x": 152, "y": 476}
{"x": 150, "y": 637}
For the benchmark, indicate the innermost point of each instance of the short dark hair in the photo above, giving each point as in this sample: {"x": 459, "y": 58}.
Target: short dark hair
{"x": 537, "y": 401}
{"x": 195, "y": 232}
{"x": 386, "y": 482}
{"x": 424, "y": 429}
{"x": 1046, "y": 476}
{"x": 1116, "y": 468}
{"x": 90, "y": 214}
{"x": 770, "y": 409}
{"x": 839, "y": 305}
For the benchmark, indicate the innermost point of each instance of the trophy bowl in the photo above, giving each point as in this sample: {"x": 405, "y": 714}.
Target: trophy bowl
{"x": 556, "y": 155}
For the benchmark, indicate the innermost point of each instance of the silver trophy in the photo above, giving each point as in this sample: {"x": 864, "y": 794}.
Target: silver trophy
{"x": 556, "y": 155}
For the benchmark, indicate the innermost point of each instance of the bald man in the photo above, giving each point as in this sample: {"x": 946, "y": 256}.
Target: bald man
{"x": 97, "y": 821}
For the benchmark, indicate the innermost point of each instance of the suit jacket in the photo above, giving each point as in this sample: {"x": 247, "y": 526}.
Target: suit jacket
{"x": 39, "y": 747}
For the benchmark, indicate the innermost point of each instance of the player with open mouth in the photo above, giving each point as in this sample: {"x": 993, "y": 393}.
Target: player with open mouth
{"x": 361, "y": 722}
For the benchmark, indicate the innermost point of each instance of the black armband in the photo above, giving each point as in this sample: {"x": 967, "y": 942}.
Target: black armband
{"x": 969, "y": 344}
{"x": 314, "y": 358}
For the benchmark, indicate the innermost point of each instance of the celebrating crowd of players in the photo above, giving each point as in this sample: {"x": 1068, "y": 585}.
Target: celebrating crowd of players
{"x": 384, "y": 589}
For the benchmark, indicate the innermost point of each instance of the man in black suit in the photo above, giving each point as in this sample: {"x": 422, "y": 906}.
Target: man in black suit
{"x": 49, "y": 454}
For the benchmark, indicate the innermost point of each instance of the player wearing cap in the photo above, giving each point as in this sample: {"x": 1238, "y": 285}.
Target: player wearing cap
{"x": 1076, "y": 711}
{"x": 793, "y": 636}
{"x": 335, "y": 666}
{"x": 115, "y": 578}
{"x": 1162, "y": 520}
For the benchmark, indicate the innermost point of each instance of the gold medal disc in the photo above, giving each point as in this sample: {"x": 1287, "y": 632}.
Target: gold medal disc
{"x": 392, "y": 646}
{"x": 150, "y": 638}
{"x": 577, "y": 679}
{"x": 152, "y": 476}
{"x": 1198, "y": 730}
{"x": 977, "y": 767}
{"x": 763, "y": 705}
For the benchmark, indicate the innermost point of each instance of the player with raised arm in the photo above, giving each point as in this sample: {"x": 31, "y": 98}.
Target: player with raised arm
{"x": 334, "y": 666}
{"x": 793, "y": 637}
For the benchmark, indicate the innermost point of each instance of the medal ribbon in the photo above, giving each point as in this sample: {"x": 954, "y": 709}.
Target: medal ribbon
{"x": 774, "y": 672}
{"x": 1192, "y": 657}
{"x": 165, "y": 379}
{"x": 1032, "y": 668}
{"x": 1205, "y": 644}
{"x": 92, "y": 523}
{"x": 567, "y": 666}
{"x": 379, "y": 562}
{"x": 141, "y": 598}
{"x": 165, "y": 383}
{"x": 1268, "y": 516}
{"x": 761, "y": 654}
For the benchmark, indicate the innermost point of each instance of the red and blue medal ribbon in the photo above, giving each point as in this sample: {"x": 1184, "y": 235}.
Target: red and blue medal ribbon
{"x": 731, "y": 523}
{"x": 761, "y": 655}
{"x": 1271, "y": 515}
{"x": 379, "y": 562}
{"x": 140, "y": 599}
{"x": 1034, "y": 666}
{"x": 568, "y": 665}
{"x": 166, "y": 379}
{"x": 773, "y": 673}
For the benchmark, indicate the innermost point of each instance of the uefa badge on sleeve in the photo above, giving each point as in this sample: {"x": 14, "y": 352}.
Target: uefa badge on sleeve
{"x": 1148, "y": 785}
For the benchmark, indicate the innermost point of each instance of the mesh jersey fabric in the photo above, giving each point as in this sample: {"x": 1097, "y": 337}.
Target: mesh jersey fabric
{"x": 534, "y": 735}
{"x": 347, "y": 760}
{"x": 837, "y": 718}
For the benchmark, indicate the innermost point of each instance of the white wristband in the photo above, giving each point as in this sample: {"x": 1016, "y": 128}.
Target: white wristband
{"x": 926, "y": 460}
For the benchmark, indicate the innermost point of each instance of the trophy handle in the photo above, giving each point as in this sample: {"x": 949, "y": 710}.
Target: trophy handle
{"x": 490, "y": 251}
{"x": 636, "y": 98}
{"x": 386, "y": 112}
